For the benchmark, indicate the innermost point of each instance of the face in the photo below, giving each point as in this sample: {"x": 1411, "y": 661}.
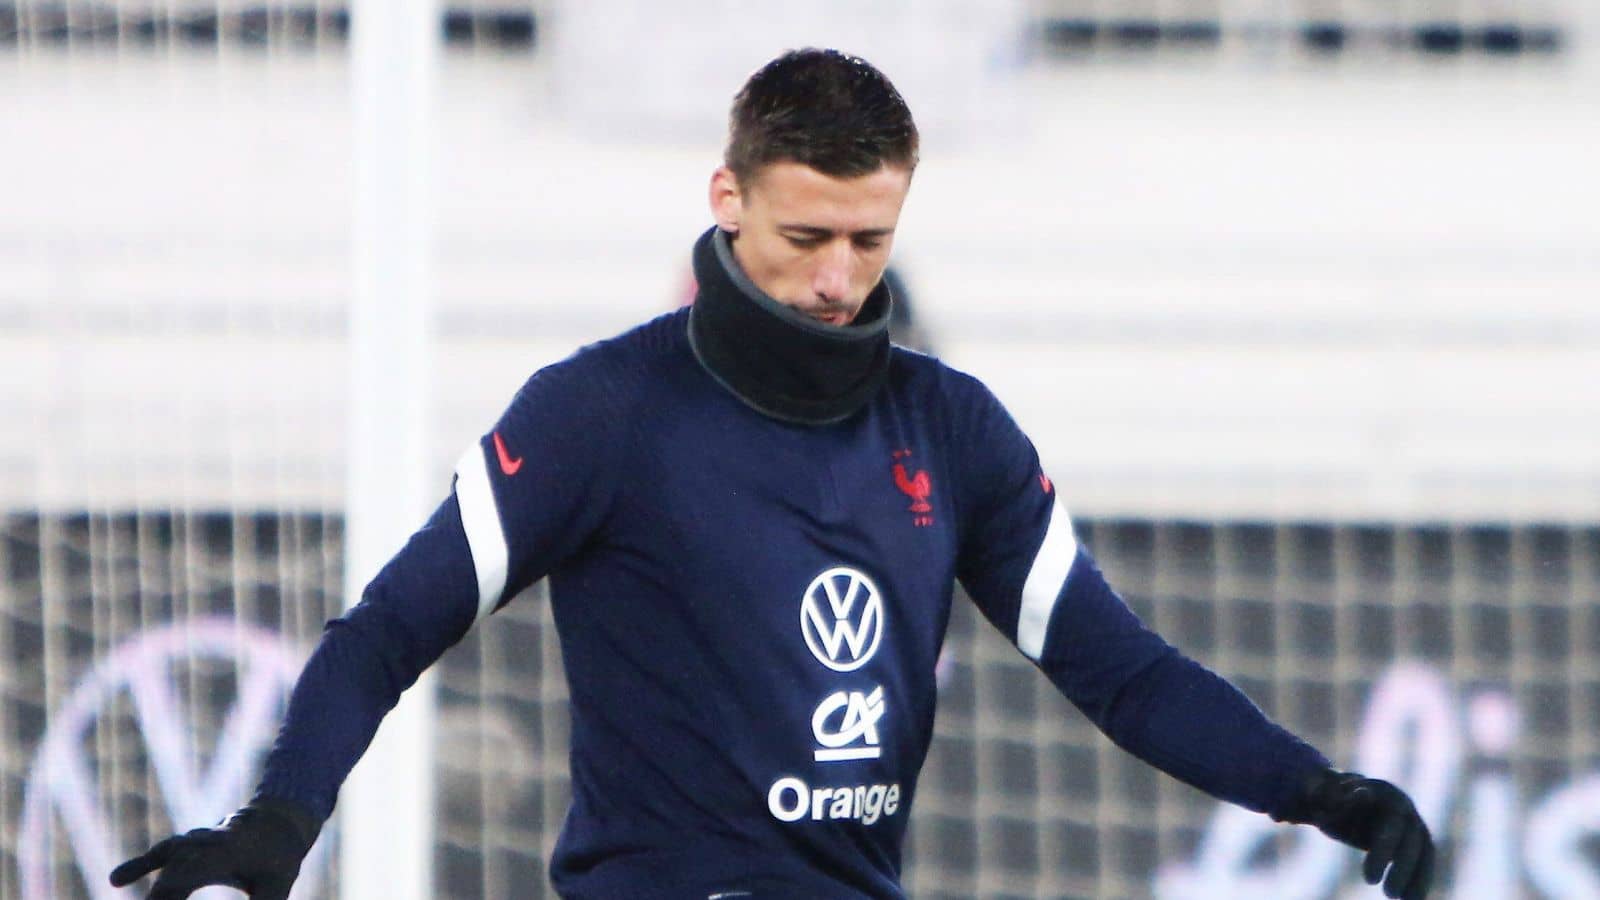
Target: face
{"x": 814, "y": 243}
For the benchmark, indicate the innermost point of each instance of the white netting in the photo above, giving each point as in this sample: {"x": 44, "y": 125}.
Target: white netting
{"x": 1020, "y": 797}
{"x": 1387, "y": 646}
{"x": 147, "y": 658}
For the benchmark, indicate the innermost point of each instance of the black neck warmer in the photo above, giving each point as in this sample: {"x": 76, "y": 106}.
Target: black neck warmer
{"x": 780, "y": 362}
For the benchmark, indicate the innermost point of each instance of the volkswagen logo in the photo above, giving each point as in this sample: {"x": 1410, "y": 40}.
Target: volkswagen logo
{"x": 841, "y": 617}
{"x": 63, "y": 798}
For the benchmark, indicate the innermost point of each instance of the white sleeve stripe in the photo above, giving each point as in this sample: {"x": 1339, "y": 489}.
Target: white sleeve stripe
{"x": 1044, "y": 583}
{"x": 480, "y": 517}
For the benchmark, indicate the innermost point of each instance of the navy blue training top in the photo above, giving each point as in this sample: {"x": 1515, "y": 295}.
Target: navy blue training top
{"x": 750, "y": 612}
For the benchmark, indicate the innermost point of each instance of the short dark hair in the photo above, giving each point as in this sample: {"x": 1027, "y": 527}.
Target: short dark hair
{"x": 828, "y": 110}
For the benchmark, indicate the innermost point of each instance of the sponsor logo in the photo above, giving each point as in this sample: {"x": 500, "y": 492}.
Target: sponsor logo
{"x": 63, "y": 796}
{"x": 507, "y": 464}
{"x": 791, "y": 800}
{"x": 845, "y": 718}
{"x": 841, "y": 617}
{"x": 917, "y": 486}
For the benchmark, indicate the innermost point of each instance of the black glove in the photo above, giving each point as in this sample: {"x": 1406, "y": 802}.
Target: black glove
{"x": 1376, "y": 817}
{"x": 256, "y": 850}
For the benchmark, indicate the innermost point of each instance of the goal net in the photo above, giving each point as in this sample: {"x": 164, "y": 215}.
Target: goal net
{"x": 150, "y": 650}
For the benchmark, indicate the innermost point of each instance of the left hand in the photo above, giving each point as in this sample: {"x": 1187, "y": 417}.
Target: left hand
{"x": 1378, "y": 818}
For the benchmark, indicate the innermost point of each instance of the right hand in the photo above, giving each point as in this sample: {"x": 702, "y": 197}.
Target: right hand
{"x": 256, "y": 850}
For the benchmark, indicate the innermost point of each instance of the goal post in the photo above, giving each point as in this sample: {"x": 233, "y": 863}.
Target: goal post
{"x": 386, "y": 808}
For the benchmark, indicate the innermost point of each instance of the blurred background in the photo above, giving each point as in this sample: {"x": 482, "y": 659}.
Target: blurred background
{"x": 1297, "y": 298}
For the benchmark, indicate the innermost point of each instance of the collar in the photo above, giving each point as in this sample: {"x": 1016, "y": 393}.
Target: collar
{"x": 780, "y": 362}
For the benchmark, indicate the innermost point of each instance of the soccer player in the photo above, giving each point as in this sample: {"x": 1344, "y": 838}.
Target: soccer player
{"x": 751, "y": 512}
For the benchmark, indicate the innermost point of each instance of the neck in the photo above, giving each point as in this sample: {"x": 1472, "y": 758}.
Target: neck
{"x": 783, "y": 363}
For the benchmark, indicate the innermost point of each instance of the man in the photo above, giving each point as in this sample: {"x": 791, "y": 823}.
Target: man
{"x": 751, "y": 512}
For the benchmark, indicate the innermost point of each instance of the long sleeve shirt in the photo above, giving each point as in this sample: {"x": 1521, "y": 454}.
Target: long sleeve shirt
{"x": 750, "y": 612}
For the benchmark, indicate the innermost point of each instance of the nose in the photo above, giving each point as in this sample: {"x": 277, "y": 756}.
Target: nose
{"x": 832, "y": 277}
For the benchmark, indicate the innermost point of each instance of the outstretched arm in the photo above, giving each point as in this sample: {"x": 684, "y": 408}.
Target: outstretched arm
{"x": 1186, "y": 720}
{"x": 1026, "y": 570}
{"x": 525, "y": 497}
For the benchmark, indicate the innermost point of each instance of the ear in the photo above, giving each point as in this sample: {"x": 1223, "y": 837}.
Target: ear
{"x": 727, "y": 203}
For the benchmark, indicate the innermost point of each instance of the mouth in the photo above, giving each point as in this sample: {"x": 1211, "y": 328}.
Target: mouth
{"x": 830, "y": 316}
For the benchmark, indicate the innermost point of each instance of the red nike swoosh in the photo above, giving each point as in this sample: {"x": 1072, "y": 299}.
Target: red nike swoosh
{"x": 507, "y": 464}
